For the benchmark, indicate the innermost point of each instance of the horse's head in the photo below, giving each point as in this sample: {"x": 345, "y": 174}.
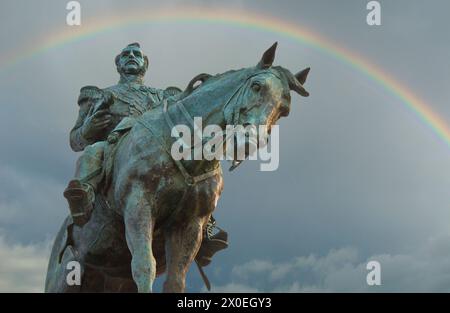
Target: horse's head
{"x": 264, "y": 97}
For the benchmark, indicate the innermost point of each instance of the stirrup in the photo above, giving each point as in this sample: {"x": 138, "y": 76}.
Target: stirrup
{"x": 211, "y": 244}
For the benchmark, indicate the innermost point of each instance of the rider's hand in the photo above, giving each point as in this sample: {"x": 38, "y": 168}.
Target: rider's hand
{"x": 96, "y": 123}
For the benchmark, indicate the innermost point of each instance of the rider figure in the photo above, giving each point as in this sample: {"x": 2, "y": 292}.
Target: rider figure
{"x": 103, "y": 113}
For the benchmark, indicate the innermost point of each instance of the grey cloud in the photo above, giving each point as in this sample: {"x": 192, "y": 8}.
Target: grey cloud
{"x": 23, "y": 267}
{"x": 31, "y": 208}
{"x": 424, "y": 269}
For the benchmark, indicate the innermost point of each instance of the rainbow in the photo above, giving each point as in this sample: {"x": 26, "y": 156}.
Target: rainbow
{"x": 235, "y": 18}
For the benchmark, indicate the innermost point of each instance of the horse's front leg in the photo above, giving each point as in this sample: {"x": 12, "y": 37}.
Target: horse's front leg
{"x": 182, "y": 244}
{"x": 139, "y": 232}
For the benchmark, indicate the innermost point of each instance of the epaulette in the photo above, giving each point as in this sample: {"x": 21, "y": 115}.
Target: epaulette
{"x": 89, "y": 92}
{"x": 171, "y": 91}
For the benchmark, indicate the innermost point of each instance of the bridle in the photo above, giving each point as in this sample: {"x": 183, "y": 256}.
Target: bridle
{"x": 237, "y": 109}
{"x": 239, "y": 92}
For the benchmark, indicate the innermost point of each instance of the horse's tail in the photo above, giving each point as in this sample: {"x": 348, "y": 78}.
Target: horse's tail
{"x": 62, "y": 253}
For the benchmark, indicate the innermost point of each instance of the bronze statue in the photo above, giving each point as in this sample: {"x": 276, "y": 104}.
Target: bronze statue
{"x": 136, "y": 212}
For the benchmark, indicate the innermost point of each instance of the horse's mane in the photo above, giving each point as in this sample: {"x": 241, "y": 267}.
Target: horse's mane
{"x": 209, "y": 81}
{"x": 285, "y": 75}
{"x": 283, "y": 72}
{"x": 220, "y": 76}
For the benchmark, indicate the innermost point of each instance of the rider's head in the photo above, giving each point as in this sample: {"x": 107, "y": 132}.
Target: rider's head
{"x": 132, "y": 61}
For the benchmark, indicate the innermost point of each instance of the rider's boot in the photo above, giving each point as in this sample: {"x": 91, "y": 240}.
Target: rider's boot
{"x": 80, "y": 192}
{"x": 80, "y": 197}
{"x": 214, "y": 240}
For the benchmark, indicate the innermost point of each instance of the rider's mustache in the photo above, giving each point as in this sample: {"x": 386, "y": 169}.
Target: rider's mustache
{"x": 133, "y": 60}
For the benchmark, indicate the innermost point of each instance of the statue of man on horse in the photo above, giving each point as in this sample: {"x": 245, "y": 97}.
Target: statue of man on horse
{"x": 136, "y": 212}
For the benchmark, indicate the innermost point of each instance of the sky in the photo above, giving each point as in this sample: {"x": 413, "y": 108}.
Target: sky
{"x": 360, "y": 176}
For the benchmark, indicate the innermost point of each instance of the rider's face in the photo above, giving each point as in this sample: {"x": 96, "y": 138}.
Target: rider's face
{"x": 131, "y": 60}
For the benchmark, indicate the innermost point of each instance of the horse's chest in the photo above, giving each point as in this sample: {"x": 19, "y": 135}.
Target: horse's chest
{"x": 189, "y": 201}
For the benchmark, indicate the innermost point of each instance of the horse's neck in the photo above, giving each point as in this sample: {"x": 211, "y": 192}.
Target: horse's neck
{"x": 210, "y": 112}
{"x": 209, "y": 101}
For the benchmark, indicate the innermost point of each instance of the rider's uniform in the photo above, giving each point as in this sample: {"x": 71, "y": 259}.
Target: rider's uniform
{"x": 130, "y": 100}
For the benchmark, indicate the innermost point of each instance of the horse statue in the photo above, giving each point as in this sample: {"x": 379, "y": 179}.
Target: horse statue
{"x": 152, "y": 211}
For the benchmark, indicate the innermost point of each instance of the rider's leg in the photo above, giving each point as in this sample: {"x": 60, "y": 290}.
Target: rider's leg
{"x": 80, "y": 192}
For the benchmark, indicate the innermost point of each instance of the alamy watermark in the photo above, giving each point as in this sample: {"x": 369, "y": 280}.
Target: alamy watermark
{"x": 236, "y": 142}
{"x": 374, "y": 16}
{"x": 73, "y": 17}
{"x": 73, "y": 277}
{"x": 373, "y": 278}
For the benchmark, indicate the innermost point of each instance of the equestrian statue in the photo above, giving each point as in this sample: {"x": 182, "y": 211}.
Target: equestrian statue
{"x": 137, "y": 212}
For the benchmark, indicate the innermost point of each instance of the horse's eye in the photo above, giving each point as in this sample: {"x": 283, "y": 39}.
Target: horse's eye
{"x": 256, "y": 87}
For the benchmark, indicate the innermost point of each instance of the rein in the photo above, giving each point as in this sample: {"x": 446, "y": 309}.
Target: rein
{"x": 189, "y": 179}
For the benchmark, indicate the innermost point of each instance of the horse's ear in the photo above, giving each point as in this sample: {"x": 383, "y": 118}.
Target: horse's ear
{"x": 296, "y": 82}
{"x": 268, "y": 57}
{"x": 302, "y": 75}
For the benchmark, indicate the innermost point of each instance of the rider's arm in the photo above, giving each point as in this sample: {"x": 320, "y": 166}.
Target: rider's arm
{"x": 85, "y": 102}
